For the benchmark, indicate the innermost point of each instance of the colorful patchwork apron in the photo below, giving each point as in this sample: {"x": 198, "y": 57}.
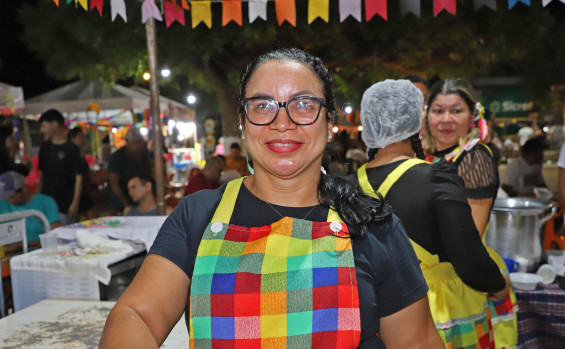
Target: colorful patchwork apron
{"x": 288, "y": 285}
{"x": 459, "y": 312}
{"x": 503, "y": 313}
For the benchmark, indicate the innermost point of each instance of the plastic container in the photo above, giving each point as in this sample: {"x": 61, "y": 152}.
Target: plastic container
{"x": 547, "y": 272}
{"x": 525, "y": 281}
{"x": 30, "y": 287}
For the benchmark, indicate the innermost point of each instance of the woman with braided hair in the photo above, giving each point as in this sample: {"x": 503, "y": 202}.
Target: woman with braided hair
{"x": 455, "y": 131}
{"x": 431, "y": 202}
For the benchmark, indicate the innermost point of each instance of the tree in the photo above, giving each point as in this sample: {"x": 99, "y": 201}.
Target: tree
{"x": 524, "y": 41}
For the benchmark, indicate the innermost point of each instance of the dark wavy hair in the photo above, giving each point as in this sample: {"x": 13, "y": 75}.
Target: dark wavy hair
{"x": 343, "y": 194}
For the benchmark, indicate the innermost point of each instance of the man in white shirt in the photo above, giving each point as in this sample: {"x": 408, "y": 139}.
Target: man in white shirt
{"x": 523, "y": 174}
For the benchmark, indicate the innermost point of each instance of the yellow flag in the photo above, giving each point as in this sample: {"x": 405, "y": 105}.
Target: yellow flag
{"x": 201, "y": 12}
{"x": 318, "y": 8}
{"x": 83, "y": 3}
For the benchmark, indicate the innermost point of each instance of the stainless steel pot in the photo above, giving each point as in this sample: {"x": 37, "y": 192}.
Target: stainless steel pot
{"x": 515, "y": 228}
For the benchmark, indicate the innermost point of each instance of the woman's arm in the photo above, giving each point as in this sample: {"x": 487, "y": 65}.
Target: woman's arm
{"x": 149, "y": 308}
{"x": 411, "y": 327}
{"x": 480, "y": 209}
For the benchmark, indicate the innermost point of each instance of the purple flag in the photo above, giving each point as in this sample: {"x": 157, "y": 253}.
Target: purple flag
{"x": 349, "y": 8}
{"x": 150, "y": 10}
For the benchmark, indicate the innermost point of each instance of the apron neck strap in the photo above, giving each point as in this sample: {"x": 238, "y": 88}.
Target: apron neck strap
{"x": 227, "y": 204}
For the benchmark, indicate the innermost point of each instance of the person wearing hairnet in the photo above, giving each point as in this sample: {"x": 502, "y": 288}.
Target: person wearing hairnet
{"x": 430, "y": 200}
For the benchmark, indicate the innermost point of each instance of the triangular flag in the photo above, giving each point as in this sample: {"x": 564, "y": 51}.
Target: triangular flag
{"x": 373, "y": 7}
{"x": 257, "y": 9}
{"x": 201, "y": 12}
{"x": 118, "y": 7}
{"x": 407, "y": 6}
{"x": 487, "y": 3}
{"x": 69, "y": 1}
{"x": 173, "y": 12}
{"x": 448, "y": 5}
{"x": 546, "y": 2}
{"x": 286, "y": 11}
{"x": 150, "y": 10}
{"x": 512, "y": 3}
{"x": 231, "y": 11}
{"x": 56, "y": 2}
{"x": 98, "y": 4}
{"x": 184, "y": 5}
{"x": 82, "y": 3}
{"x": 349, "y": 8}
{"x": 318, "y": 8}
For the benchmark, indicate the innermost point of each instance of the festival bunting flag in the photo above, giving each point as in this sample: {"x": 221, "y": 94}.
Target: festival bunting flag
{"x": 487, "y": 3}
{"x": 546, "y": 2}
{"x": 257, "y": 9}
{"x": 97, "y": 4}
{"x": 184, "y": 5}
{"x": 407, "y": 6}
{"x": 56, "y": 2}
{"x": 373, "y": 7}
{"x": 286, "y": 11}
{"x": 201, "y": 12}
{"x": 448, "y": 5}
{"x": 349, "y": 8}
{"x": 512, "y": 3}
{"x": 318, "y": 8}
{"x": 173, "y": 12}
{"x": 82, "y": 3}
{"x": 150, "y": 10}
{"x": 69, "y": 1}
{"x": 118, "y": 7}
{"x": 231, "y": 11}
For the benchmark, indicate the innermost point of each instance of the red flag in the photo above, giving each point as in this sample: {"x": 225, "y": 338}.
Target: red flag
{"x": 373, "y": 7}
{"x": 98, "y": 4}
{"x": 173, "y": 13}
{"x": 448, "y": 5}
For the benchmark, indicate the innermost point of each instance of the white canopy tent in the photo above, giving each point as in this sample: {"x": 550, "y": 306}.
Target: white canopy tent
{"x": 11, "y": 99}
{"x": 117, "y": 103}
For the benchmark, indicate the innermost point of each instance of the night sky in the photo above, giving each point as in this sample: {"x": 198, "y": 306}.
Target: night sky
{"x": 19, "y": 66}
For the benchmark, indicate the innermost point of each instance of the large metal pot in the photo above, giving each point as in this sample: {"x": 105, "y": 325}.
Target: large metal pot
{"x": 515, "y": 228}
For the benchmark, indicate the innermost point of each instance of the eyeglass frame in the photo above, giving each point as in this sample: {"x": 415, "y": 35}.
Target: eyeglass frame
{"x": 285, "y": 105}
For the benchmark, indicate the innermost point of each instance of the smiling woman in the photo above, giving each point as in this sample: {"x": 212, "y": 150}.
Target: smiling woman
{"x": 286, "y": 257}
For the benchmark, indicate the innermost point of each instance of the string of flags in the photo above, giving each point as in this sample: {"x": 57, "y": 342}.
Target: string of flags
{"x": 201, "y": 10}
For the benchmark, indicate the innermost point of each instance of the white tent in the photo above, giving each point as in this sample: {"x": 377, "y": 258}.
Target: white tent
{"x": 117, "y": 103}
{"x": 11, "y": 99}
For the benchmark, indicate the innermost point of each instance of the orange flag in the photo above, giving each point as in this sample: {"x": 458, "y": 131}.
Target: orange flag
{"x": 184, "y": 5}
{"x": 286, "y": 11}
{"x": 231, "y": 11}
{"x": 56, "y": 2}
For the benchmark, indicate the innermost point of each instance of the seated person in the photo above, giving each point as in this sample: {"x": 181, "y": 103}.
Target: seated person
{"x": 234, "y": 160}
{"x": 523, "y": 174}
{"x": 15, "y": 196}
{"x": 208, "y": 177}
{"x": 141, "y": 189}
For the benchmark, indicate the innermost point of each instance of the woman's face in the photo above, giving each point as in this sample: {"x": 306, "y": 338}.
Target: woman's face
{"x": 449, "y": 119}
{"x": 283, "y": 148}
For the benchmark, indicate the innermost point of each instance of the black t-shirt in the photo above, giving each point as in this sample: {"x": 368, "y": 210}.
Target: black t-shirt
{"x": 388, "y": 274}
{"x": 479, "y": 170}
{"x": 431, "y": 202}
{"x": 60, "y": 164}
{"x": 127, "y": 168}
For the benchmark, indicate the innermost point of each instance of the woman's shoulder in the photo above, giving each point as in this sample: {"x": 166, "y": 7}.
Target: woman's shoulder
{"x": 203, "y": 199}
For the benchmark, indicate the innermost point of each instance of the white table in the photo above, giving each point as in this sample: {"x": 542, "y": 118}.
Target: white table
{"x": 67, "y": 324}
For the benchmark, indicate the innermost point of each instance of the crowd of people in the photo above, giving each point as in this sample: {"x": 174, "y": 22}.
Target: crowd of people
{"x": 310, "y": 239}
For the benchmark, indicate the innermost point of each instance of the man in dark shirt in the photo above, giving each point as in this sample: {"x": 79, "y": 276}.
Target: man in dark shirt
{"x": 59, "y": 163}
{"x": 125, "y": 163}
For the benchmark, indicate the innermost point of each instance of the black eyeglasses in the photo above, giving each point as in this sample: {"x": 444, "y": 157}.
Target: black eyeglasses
{"x": 303, "y": 110}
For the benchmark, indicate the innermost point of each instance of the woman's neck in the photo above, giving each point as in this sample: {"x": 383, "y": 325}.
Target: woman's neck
{"x": 298, "y": 191}
{"x": 392, "y": 153}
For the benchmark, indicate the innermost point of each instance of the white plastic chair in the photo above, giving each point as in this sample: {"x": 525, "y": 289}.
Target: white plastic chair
{"x": 12, "y": 229}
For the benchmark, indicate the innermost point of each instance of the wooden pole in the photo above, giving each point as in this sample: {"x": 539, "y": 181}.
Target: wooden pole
{"x": 150, "y": 33}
